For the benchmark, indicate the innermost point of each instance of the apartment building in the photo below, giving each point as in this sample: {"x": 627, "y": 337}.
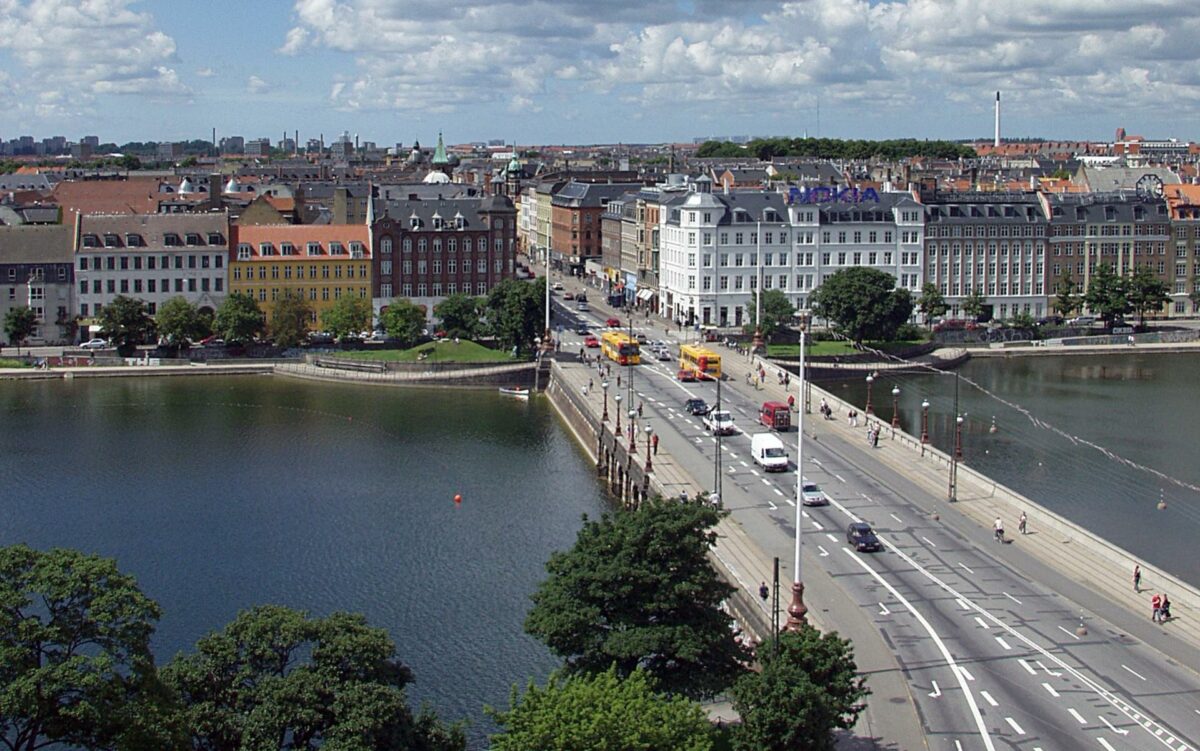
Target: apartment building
{"x": 36, "y": 272}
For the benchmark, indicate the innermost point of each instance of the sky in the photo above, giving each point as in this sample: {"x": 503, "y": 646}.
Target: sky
{"x": 597, "y": 71}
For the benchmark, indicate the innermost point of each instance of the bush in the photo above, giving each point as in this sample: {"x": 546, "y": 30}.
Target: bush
{"x": 910, "y": 332}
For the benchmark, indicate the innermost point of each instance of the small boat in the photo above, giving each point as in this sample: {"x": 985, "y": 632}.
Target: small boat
{"x": 519, "y": 393}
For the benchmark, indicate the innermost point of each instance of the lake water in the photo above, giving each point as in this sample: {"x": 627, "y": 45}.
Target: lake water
{"x": 1142, "y": 408}
{"x": 222, "y": 493}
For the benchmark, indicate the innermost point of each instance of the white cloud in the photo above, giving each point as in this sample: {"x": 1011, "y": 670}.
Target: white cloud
{"x": 256, "y": 85}
{"x": 205, "y": 73}
{"x": 295, "y": 41}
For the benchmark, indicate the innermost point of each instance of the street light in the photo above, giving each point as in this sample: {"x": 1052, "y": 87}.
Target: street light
{"x": 632, "y": 430}
{"x": 797, "y": 609}
{"x": 952, "y": 493}
{"x": 617, "y": 409}
{"x": 604, "y": 388}
{"x": 870, "y": 410}
{"x": 649, "y": 461}
{"x": 958, "y": 423}
{"x": 895, "y": 409}
{"x": 924, "y": 424}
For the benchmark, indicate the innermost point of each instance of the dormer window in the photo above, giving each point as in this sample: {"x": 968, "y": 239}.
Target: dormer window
{"x": 170, "y": 239}
{"x": 192, "y": 238}
{"x": 215, "y": 238}
{"x": 437, "y": 221}
{"x": 111, "y": 240}
{"x": 313, "y": 248}
{"x": 356, "y": 249}
{"x": 336, "y": 248}
{"x": 91, "y": 241}
{"x": 459, "y": 222}
{"x": 133, "y": 240}
{"x": 244, "y": 251}
{"x": 287, "y": 249}
{"x": 266, "y": 249}
{"x": 414, "y": 222}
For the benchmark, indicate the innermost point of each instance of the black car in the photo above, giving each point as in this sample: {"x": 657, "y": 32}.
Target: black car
{"x": 582, "y": 329}
{"x": 695, "y": 407}
{"x": 859, "y": 535}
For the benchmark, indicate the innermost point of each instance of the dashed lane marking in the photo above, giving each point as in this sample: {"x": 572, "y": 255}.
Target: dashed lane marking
{"x": 831, "y": 538}
{"x": 1014, "y": 725}
{"x": 929, "y": 542}
{"x": 898, "y": 519}
{"x": 1028, "y": 668}
{"x": 966, "y": 567}
{"x": 1054, "y": 673}
{"x": 1006, "y": 594}
{"x": 1078, "y": 717}
{"x": 1106, "y": 744}
{"x": 967, "y": 674}
{"x": 1003, "y": 643}
{"x": 766, "y": 482}
{"x": 1117, "y": 730}
{"x": 778, "y": 492}
{"x": 817, "y": 462}
{"x": 982, "y": 624}
{"x": 839, "y": 477}
{"x": 1050, "y": 690}
{"x": 1133, "y": 672}
{"x": 962, "y": 604}
{"x": 744, "y": 464}
{"x": 817, "y": 524}
{"x": 988, "y": 698}
{"x": 1069, "y": 633}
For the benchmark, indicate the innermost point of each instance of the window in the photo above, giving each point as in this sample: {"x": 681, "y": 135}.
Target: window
{"x": 170, "y": 239}
{"x": 385, "y": 289}
{"x": 287, "y": 249}
{"x": 385, "y": 248}
{"x": 264, "y": 249}
{"x": 192, "y": 238}
{"x": 356, "y": 249}
{"x": 313, "y": 248}
{"x": 111, "y": 241}
{"x": 337, "y": 249}
{"x": 133, "y": 241}
{"x": 216, "y": 238}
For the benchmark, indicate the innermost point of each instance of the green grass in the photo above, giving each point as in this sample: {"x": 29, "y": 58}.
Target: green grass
{"x": 448, "y": 351}
{"x": 7, "y": 363}
{"x": 833, "y": 348}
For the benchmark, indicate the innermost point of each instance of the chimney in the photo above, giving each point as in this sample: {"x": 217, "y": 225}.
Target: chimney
{"x": 997, "y": 142}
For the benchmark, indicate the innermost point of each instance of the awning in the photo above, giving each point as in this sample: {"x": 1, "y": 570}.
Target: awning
{"x": 645, "y": 294}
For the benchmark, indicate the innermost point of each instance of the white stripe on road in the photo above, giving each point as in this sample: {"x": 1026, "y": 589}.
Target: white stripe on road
{"x": 832, "y": 538}
{"x": 1014, "y": 725}
{"x": 929, "y": 542}
{"x": 898, "y": 519}
{"x": 778, "y": 491}
{"x": 1003, "y": 643}
{"x": 839, "y": 477}
{"x": 1133, "y": 673}
{"x": 988, "y": 698}
{"x": 1006, "y": 594}
{"x": 1106, "y": 744}
{"x": 1050, "y": 690}
{"x": 1028, "y": 667}
{"x": 1069, "y": 633}
{"x": 1078, "y": 717}
{"x": 981, "y": 623}
{"x": 965, "y": 567}
{"x": 967, "y": 673}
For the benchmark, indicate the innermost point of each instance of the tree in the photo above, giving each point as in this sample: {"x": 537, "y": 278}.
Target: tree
{"x": 276, "y": 679}
{"x": 1066, "y": 296}
{"x": 862, "y": 303}
{"x": 1194, "y": 295}
{"x": 931, "y": 303}
{"x": 126, "y": 322}
{"x": 807, "y": 688}
{"x": 972, "y": 305}
{"x": 514, "y": 312}
{"x": 19, "y": 323}
{"x": 180, "y": 321}
{"x": 130, "y": 162}
{"x": 460, "y": 315}
{"x": 289, "y": 322}
{"x": 777, "y": 312}
{"x": 75, "y": 661}
{"x": 239, "y": 319}
{"x": 349, "y": 315}
{"x": 1145, "y": 292}
{"x": 1105, "y": 295}
{"x": 600, "y": 712}
{"x": 403, "y": 320}
{"x": 1022, "y": 322}
{"x": 637, "y": 590}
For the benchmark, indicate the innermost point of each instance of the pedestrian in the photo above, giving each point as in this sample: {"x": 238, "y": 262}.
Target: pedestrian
{"x": 998, "y": 530}
{"x": 654, "y": 443}
{"x": 1156, "y": 605}
{"x": 1137, "y": 578}
{"x": 1164, "y": 609}
{"x": 764, "y": 591}
{"x": 787, "y": 380}
{"x": 875, "y": 439}
{"x": 791, "y": 402}
{"x": 618, "y": 380}
{"x": 589, "y": 383}
{"x": 1021, "y": 523}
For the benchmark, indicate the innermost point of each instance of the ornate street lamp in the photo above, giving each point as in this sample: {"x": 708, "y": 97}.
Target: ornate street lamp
{"x": 604, "y": 388}
{"x": 617, "y": 409}
{"x": 649, "y": 461}
{"x": 632, "y": 431}
{"x": 895, "y": 409}
{"x": 924, "y": 423}
{"x": 797, "y": 610}
{"x": 870, "y": 410}
{"x": 958, "y": 423}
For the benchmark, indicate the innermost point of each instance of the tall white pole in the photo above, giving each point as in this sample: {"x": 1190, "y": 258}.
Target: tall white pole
{"x": 997, "y": 143}
{"x": 547, "y": 294}
{"x": 758, "y": 291}
{"x": 797, "y": 610}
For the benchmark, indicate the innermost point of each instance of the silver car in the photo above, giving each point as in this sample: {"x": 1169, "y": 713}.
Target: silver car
{"x": 812, "y": 495}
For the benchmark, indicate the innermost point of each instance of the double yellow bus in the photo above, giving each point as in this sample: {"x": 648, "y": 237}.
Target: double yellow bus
{"x": 620, "y": 348}
{"x": 699, "y": 362}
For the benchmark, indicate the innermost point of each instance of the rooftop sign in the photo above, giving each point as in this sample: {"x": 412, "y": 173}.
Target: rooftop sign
{"x": 832, "y": 195}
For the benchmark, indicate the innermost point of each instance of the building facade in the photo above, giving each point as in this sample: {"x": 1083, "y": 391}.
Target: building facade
{"x": 36, "y": 272}
{"x": 575, "y": 221}
{"x": 1183, "y": 205}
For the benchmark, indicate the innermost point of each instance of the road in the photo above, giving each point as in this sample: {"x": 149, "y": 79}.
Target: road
{"x": 992, "y": 654}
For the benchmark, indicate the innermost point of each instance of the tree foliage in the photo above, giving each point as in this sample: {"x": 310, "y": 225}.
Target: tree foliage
{"x": 514, "y": 312}
{"x": 75, "y": 661}
{"x": 289, "y": 319}
{"x": 348, "y": 315}
{"x": 834, "y": 148}
{"x": 598, "y": 713}
{"x": 126, "y": 322}
{"x": 180, "y": 321}
{"x": 460, "y": 315}
{"x": 806, "y": 689}
{"x": 973, "y": 304}
{"x": 637, "y": 590}
{"x": 931, "y": 303}
{"x": 1145, "y": 292}
{"x": 19, "y": 323}
{"x": 1105, "y": 295}
{"x": 239, "y": 319}
{"x": 1066, "y": 295}
{"x": 862, "y": 303}
{"x": 777, "y": 312}
{"x": 403, "y": 320}
{"x": 277, "y": 679}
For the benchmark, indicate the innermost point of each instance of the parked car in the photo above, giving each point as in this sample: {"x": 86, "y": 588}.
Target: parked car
{"x": 613, "y": 323}
{"x": 95, "y": 344}
{"x": 812, "y": 495}
{"x": 1085, "y": 321}
{"x": 720, "y": 422}
{"x": 696, "y": 407}
{"x": 861, "y": 536}
{"x": 591, "y": 342}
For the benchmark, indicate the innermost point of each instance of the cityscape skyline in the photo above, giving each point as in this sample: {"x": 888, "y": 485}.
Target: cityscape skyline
{"x": 574, "y": 72}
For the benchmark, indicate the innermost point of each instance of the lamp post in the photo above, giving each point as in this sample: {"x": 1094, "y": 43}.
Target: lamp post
{"x": 757, "y": 343}
{"x": 649, "y": 461}
{"x": 617, "y": 409}
{"x": 604, "y": 388}
{"x": 958, "y": 423}
{"x": 952, "y": 493}
{"x": 632, "y": 430}
{"x": 895, "y": 409}
{"x": 870, "y": 410}
{"x": 797, "y": 610}
{"x": 924, "y": 424}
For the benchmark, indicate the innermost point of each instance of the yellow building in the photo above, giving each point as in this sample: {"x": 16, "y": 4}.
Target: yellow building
{"x": 321, "y": 262}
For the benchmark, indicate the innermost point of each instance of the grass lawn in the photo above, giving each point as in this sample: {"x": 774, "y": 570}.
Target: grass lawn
{"x": 446, "y": 351}
{"x": 6, "y": 363}
{"x": 833, "y": 348}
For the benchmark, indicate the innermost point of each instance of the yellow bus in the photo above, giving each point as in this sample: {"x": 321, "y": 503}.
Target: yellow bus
{"x": 620, "y": 347}
{"x": 699, "y": 362}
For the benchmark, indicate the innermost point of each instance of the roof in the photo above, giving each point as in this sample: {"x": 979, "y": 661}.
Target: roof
{"x": 299, "y": 235}
{"x": 1093, "y": 209}
{"x": 439, "y": 153}
{"x": 137, "y": 195}
{"x": 447, "y": 209}
{"x": 24, "y": 182}
{"x": 153, "y": 229}
{"x": 1102, "y": 179}
{"x": 582, "y": 195}
{"x": 35, "y": 243}
{"x": 975, "y": 207}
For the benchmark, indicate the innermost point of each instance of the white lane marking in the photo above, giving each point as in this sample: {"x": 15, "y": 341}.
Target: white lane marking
{"x": 967, "y": 674}
{"x": 790, "y": 502}
{"x": 713, "y": 439}
{"x": 824, "y": 552}
{"x": 898, "y": 519}
{"x": 936, "y": 692}
{"x": 988, "y": 698}
{"x": 980, "y": 725}
{"x": 1050, "y": 689}
{"x": 1133, "y": 672}
{"x": 778, "y": 492}
{"x": 818, "y": 525}
{"x": 839, "y": 477}
{"x": 1117, "y": 730}
{"x": 1006, "y": 594}
{"x": 958, "y": 746}
{"x": 929, "y": 542}
{"x": 1106, "y": 744}
{"x": 962, "y": 604}
{"x": 966, "y": 568}
{"x": 744, "y": 464}
{"x": 1078, "y": 717}
{"x": 754, "y": 472}
{"x": 1003, "y": 643}
{"x": 773, "y": 506}
{"x": 817, "y": 462}
{"x": 1028, "y": 668}
{"x": 1014, "y": 725}
{"x": 883, "y": 609}
{"x": 1071, "y": 634}
{"x": 831, "y": 538}
{"x": 699, "y": 439}
{"x": 732, "y": 455}
{"x": 981, "y": 623}
{"x": 732, "y": 470}
{"x": 1052, "y": 673}
{"x": 768, "y": 482}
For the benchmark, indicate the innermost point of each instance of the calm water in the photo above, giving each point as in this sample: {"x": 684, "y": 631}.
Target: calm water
{"x": 218, "y": 494}
{"x": 1145, "y": 408}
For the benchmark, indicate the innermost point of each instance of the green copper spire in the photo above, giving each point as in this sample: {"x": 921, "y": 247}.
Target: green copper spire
{"x": 439, "y": 154}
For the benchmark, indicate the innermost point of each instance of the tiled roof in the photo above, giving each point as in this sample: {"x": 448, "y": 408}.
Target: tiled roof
{"x": 153, "y": 229}
{"x": 32, "y": 243}
{"x": 299, "y": 235}
{"x": 133, "y": 196}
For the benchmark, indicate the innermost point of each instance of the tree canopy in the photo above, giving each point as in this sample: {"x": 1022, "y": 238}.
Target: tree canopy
{"x": 637, "y": 590}
{"x": 514, "y": 312}
{"x": 1066, "y": 295}
{"x": 835, "y": 148}
{"x": 602, "y": 712}
{"x": 126, "y": 322}
{"x": 348, "y": 315}
{"x": 862, "y": 303}
{"x": 1145, "y": 292}
{"x": 973, "y": 303}
{"x": 239, "y": 319}
{"x": 806, "y": 689}
{"x": 460, "y": 315}
{"x": 180, "y": 321}
{"x": 19, "y": 323}
{"x": 289, "y": 319}
{"x": 777, "y": 312}
{"x": 931, "y": 303}
{"x": 403, "y": 320}
{"x": 276, "y": 679}
{"x": 1105, "y": 295}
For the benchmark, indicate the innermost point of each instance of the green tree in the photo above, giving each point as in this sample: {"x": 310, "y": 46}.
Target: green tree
{"x": 1105, "y": 295}
{"x": 276, "y": 679}
{"x": 598, "y": 713}
{"x": 403, "y": 320}
{"x": 637, "y": 590}
{"x": 180, "y": 321}
{"x": 777, "y": 312}
{"x": 130, "y": 162}
{"x": 126, "y": 322}
{"x": 75, "y": 661}
{"x": 1145, "y": 292}
{"x": 349, "y": 315}
{"x": 460, "y": 315}
{"x": 931, "y": 303}
{"x": 1066, "y": 296}
{"x": 19, "y": 323}
{"x": 1022, "y": 322}
{"x": 514, "y": 312}
{"x": 806, "y": 689}
{"x": 1194, "y": 295}
{"x": 862, "y": 303}
{"x": 972, "y": 305}
{"x": 239, "y": 319}
{"x": 290, "y": 318}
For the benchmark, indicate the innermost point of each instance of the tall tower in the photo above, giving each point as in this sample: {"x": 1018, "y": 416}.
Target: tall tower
{"x": 997, "y": 142}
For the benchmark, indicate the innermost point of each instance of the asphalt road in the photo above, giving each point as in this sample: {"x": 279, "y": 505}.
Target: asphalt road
{"x": 986, "y": 637}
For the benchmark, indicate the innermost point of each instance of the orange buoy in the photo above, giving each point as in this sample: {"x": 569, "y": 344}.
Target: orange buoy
{"x": 457, "y": 498}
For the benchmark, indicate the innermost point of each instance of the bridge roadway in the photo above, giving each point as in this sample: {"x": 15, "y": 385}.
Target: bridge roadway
{"x": 985, "y": 637}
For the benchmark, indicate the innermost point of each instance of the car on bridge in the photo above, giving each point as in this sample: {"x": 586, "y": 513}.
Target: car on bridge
{"x": 591, "y": 342}
{"x": 613, "y": 323}
{"x": 862, "y": 537}
{"x": 812, "y": 495}
{"x": 696, "y": 407}
{"x": 720, "y": 422}
{"x": 95, "y": 344}
{"x": 582, "y": 329}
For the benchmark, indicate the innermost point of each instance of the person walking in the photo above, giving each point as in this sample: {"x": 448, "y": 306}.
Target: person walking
{"x": 654, "y": 443}
{"x": 998, "y": 530}
{"x": 1021, "y": 523}
{"x": 1164, "y": 609}
{"x": 764, "y": 591}
{"x": 1156, "y": 608}
{"x": 1137, "y": 578}
{"x": 639, "y": 408}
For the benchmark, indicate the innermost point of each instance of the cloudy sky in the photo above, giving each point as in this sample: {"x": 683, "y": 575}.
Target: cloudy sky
{"x": 586, "y": 71}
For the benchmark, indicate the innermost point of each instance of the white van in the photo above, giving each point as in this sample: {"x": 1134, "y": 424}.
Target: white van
{"x": 768, "y": 452}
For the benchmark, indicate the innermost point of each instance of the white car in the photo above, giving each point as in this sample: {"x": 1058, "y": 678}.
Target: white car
{"x": 95, "y": 344}
{"x": 720, "y": 422}
{"x": 812, "y": 495}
